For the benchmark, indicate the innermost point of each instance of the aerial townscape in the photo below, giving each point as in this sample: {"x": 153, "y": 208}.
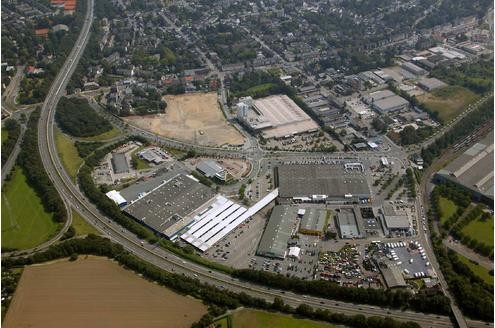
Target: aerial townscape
{"x": 237, "y": 164}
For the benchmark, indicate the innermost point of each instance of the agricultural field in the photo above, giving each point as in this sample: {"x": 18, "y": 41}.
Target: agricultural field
{"x": 260, "y": 319}
{"x": 23, "y": 226}
{"x": 68, "y": 153}
{"x": 477, "y": 269}
{"x": 447, "y": 208}
{"x": 195, "y": 118}
{"x": 81, "y": 226}
{"x": 448, "y": 102}
{"x": 96, "y": 292}
{"x": 480, "y": 231}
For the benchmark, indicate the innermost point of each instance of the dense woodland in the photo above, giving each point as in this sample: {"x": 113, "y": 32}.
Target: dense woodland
{"x": 75, "y": 117}
{"x": 14, "y": 130}
{"x": 477, "y": 77}
{"x": 219, "y": 300}
{"x": 30, "y": 160}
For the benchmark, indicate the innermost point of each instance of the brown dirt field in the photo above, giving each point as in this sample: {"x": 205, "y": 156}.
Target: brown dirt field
{"x": 95, "y": 292}
{"x": 189, "y": 115}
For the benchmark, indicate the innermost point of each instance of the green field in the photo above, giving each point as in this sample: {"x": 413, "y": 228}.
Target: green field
{"x": 104, "y": 136}
{"x": 480, "y": 231}
{"x": 81, "y": 226}
{"x": 447, "y": 208}
{"x": 5, "y": 135}
{"x": 448, "y": 102}
{"x": 25, "y": 224}
{"x": 68, "y": 153}
{"x": 477, "y": 269}
{"x": 260, "y": 319}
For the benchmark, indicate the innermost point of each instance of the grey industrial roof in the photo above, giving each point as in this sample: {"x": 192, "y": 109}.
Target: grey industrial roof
{"x": 397, "y": 221}
{"x": 377, "y": 95}
{"x": 149, "y": 183}
{"x": 313, "y": 219}
{"x": 119, "y": 163}
{"x": 209, "y": 168}
{"x": 278, "y": 231}
{"x": 347, "y": 223}
{"x": 390, "y": 103}
{"x": 393, "y": 277}
{"x": 171, "y": 203}
{"x": 474, "y": 168}
{"x": 431, "y": 83}
{"x": 332, "y": 180}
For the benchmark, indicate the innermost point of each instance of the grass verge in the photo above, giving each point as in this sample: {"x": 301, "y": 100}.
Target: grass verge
{"x": 68, "y": 153}
{"x": 259, "y": 319}
{"x": 477, "y": 269}
{"x": 104, "y": 136}
{"x": 81, "y": 226}
{"x": 25, "y": 224}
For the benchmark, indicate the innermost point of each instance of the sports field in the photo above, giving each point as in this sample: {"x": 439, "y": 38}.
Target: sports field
{"x": 449, "y": 102}
{"x": 261, "y": 319}
{"x": 477, "y": 269}
{"x": 195, "y": 118}
{"x": 480, "y": 231}
{"x": 447, "y": 208}
{"x": 95, "y": 292}
{"x": 68, "y": 153}
{"x": 25, "y": 224}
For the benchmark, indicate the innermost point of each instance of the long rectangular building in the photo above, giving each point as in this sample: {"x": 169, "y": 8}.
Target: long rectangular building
{"x": 340, "y": 183}
{"x": 220, "y": 218}
{"x": 473, "y": 170}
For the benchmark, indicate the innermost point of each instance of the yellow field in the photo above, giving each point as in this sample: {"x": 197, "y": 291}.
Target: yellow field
{"x": 195, "y": 118}
{"x": 95, "y": 292}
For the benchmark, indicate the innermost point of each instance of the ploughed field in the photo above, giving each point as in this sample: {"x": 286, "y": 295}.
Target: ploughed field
{"x": 95, "y": 292}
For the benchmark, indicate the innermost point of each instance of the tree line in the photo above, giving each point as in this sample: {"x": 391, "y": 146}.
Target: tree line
{"x": 218, "y": 299}
{"x": 14, "y": 130}
{"x": 435, "y": 303}
{"x": 77, "y": 118}
{"x": 30, "y": 160}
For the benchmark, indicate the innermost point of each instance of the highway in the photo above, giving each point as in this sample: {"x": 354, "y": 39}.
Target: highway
{"x": 72, "y": 197}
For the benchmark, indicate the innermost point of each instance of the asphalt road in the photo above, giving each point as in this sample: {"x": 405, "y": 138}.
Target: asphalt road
{"x": 161, "y": 258}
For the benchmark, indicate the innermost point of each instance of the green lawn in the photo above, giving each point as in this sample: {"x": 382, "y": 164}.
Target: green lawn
{"x": 223, "y": 322}
{"x": 5, "y": 135}
{"x": 477, "y": 269}
{"x": 104, "y": 136}
{"x": 81, "y": 226}
{"x": 447, "y": 208}
{"x": 25, "y": 224}
{"x": 68, "y": 153}
{"x": 261, "y": 319}
{"x": 480, "y": 231}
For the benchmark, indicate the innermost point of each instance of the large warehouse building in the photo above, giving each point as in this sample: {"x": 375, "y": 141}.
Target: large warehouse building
{"x": 385, "y": 101}
{"x": 473, "y": 170}
{"x": 169, "y": 208}
{"x": 220, "y": 218}
{"x": 323, "y": 183}
{"x": 279, "y": 229}
{"x": 275, "y": 116}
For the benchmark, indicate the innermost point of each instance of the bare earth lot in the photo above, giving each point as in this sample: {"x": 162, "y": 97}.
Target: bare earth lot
{"x": 195, "y": 118}
{"x": 95, "y": 292}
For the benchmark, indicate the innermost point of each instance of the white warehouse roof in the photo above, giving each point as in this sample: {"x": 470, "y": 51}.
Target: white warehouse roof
{"x": 116, "y": 197}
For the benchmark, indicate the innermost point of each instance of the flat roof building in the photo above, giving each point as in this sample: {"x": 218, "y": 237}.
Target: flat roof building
{"x": 395, "y": 220}
{"x": 212, "y": 169}
{"x": 119, "y": 163}
{"x": 347, "y": 224}
{"x": 313, "y": 221}
{"x": 430, "y": 84}
{"x": 390, "y": 104}
{"x": 473, "y": 170}
{"x": 279, "y": 229}
{"x": 327, "y": 183}
{"x": 169, "y": 208}
{"x": 275, "y": 116}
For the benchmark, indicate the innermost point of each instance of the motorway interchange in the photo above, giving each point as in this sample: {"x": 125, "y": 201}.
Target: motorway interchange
{"x": 73, "y": 198}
